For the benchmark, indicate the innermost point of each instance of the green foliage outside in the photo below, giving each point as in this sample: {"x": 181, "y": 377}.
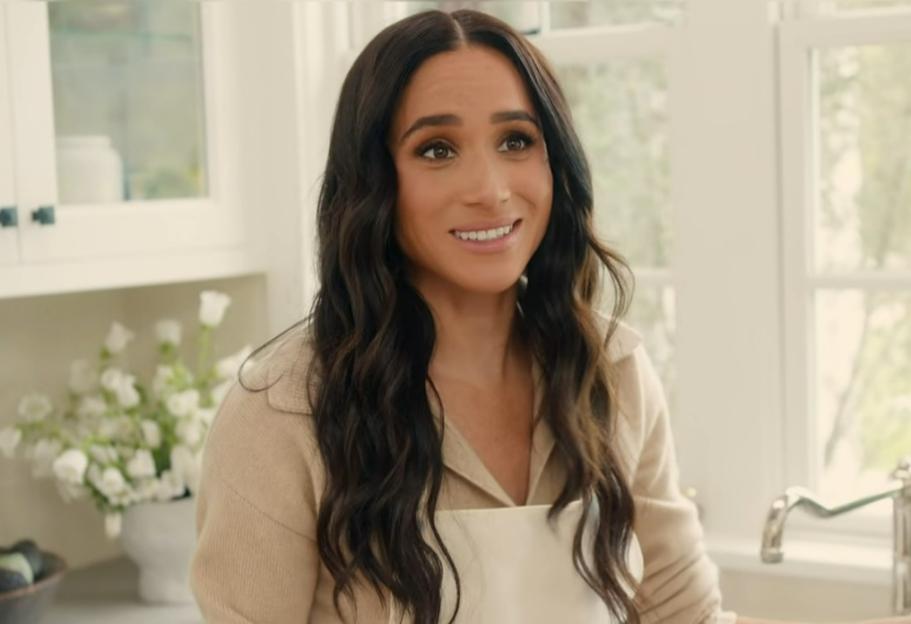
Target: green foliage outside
{"x": 864, "y": 224}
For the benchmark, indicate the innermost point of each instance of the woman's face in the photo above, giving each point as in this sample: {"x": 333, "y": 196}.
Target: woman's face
{"x": 474, "y": 185}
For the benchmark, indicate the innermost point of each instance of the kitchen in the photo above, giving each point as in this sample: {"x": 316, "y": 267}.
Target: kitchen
{"x": 151, "y": 152}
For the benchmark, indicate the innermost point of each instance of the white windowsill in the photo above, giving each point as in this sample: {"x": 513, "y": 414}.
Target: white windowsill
{"x": 866, "y": 563}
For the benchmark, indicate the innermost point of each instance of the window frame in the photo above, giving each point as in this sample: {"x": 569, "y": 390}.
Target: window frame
{"x": 797, "y": 40}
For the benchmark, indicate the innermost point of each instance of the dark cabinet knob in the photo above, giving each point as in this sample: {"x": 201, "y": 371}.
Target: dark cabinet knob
{"x": 43, "y": 215}
{"x": 9, "y": 217}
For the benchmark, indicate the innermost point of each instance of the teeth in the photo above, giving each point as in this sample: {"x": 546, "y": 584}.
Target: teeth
{"x": 484, "y": 235}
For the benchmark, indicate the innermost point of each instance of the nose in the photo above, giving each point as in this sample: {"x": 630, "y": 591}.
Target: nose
{"x": 486, "y": 185}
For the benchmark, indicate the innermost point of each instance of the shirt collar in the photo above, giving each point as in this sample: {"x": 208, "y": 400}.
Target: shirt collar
{"x": 286, "y": 380}
{"x": 460, "y": 457}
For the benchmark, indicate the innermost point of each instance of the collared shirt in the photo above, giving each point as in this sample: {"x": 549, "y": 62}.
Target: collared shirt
{"x": 257, "y": 560}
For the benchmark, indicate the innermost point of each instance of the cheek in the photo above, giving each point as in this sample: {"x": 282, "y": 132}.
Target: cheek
{"x": 539, "y": 185}
{"x": 414, "y": 212}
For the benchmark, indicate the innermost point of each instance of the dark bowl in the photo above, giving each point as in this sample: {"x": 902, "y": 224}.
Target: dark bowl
{"x": 26, "y": 605}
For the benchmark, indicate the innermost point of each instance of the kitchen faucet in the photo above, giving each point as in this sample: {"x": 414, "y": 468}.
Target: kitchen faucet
{"x": 900, "y": 492}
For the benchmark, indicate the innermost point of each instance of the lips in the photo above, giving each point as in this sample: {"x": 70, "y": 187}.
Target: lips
{"x": 490, "y": 225}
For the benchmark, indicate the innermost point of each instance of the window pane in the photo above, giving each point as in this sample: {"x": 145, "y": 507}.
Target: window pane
{"x": 863, "y": 388}
{"x": 620, "y": 113}
{"x": 847, "y": 6}
{"x": 128, "y": 100}
{"x": 580, "y": 13}
{"x": 863, "y": 220}
{"x": 524, "y": 16}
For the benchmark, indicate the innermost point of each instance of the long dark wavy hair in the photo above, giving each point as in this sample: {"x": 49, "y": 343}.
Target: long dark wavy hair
{"x": 373, "y": 334}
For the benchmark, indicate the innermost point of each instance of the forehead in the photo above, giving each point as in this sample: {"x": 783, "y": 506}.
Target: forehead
{"x": 472, "y": 79}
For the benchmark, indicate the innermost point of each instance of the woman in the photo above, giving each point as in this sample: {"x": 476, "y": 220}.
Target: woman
{"x": 454, "y": 433}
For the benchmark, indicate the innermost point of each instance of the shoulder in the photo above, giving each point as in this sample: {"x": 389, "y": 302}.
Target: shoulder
{"x": 623, "y": 339}
{"x": 262, "y": 442}
{"x": 638, "y": 399}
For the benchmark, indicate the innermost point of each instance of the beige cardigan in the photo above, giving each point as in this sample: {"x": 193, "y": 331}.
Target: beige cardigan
{"x": 256, "y": 558}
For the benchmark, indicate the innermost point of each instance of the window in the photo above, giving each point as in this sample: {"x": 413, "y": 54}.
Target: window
{"x": 847, "y": 181}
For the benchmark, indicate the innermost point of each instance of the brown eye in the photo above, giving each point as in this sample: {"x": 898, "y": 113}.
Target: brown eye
{"x": 437, "y": 149}
{"x": 520, "y": 140}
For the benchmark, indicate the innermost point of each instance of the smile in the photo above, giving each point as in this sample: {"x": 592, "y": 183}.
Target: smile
{"x": 482, "y": 235}
{"x": 489, "y": 239}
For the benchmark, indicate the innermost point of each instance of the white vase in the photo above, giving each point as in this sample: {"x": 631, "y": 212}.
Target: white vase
{"x": 89, "y": 169}
{"x": 160, "y": 537}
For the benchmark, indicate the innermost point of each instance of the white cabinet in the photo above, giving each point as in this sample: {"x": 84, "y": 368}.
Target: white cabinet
{"x": 9, "y": 236}
{"x": 118, "y": 146}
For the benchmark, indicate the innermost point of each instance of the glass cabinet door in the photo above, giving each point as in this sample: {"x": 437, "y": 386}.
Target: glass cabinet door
{"x": 9, "y": 213}
{"x": 129, "y": 105}
{"x": 117, "y": 149}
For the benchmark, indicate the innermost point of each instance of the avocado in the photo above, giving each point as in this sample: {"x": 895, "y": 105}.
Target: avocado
{"x": 30, "y": 550}
{"x": 16, "y": 562}
{"x": 11, "y": 581}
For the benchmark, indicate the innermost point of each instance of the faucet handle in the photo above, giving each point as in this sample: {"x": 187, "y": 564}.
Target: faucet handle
{"x": 903, "y": 471}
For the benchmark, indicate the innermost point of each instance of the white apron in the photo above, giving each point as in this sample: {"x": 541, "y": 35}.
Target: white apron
{"x": 515, "y": 569}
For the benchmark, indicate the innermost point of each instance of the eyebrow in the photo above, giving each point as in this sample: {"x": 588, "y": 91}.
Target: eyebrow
{"x": 448, "y": 119}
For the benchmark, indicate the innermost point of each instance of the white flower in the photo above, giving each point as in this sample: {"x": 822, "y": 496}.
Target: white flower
{"x": 35, "y": 407}
{"x": 91, "y": 406}
{"x": 103, "y": 454}
{"x": 113, "y": 523}
{"x": 226, "y": 368}
{"x": 190, "y": 431}
{"x": 168, "y": 332}
{"x": 186, "y": 464}
{"x": 9, "y": 440}
{"x": 183, "y": 403}
{"x": 163, "y": 378}
{"x": 212, "y": 306}
{"x": 43, "y": 455}
{"x": 171, "y": 485}
{"x": 93, "y": 474}
{"x": 83, "y": 376}
{"x": 110, "y": 482}
{"x": 146, "y": 489}
{"x": 114, "y": 428}
{"x": 71, "y": 491}
{"x": 151, "y": 433}
{"x": 125, "y": 498}
{"x": 111, "y": 378}
{"x": 108, "y": 428}
{"x": 70, "y": 466}
{"x": 121, "y": 385}
{"x": 206, "y": 415}
{"x": 117, "y": 338}
{"x": 142, "y": 465}
{"x": 220, "y": 391}
{"x": 126, "y": 392}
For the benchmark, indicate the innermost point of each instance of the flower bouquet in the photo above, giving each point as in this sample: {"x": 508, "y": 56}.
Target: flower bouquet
{"x": 122, "y": 442}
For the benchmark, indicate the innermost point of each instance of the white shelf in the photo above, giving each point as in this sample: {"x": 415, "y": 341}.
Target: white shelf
{"x": 105, "y": 593}
{"x": 127, "y": 271}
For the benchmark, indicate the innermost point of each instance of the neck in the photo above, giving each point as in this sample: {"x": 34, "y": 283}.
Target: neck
{"x": 477, "y": 335}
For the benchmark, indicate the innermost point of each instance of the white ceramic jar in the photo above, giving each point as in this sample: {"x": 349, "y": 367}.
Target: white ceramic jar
{"x": 89, "y": 170}
{"x": 161, "y": 537}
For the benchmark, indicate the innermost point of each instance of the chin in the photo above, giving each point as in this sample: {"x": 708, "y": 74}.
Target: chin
{"x": 488, "y": 284}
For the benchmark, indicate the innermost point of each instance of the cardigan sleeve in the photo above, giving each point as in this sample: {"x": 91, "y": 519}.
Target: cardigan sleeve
{"x": 256, "y": 559}
{"x": 680, "y": 582}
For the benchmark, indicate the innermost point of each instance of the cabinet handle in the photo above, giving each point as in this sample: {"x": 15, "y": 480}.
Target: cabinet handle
{"x": 9, "y": 217}
{"x": 43, "y": 215}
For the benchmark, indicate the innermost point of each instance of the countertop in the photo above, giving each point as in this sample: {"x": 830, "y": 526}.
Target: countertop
{"x": 105, "y": 593}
